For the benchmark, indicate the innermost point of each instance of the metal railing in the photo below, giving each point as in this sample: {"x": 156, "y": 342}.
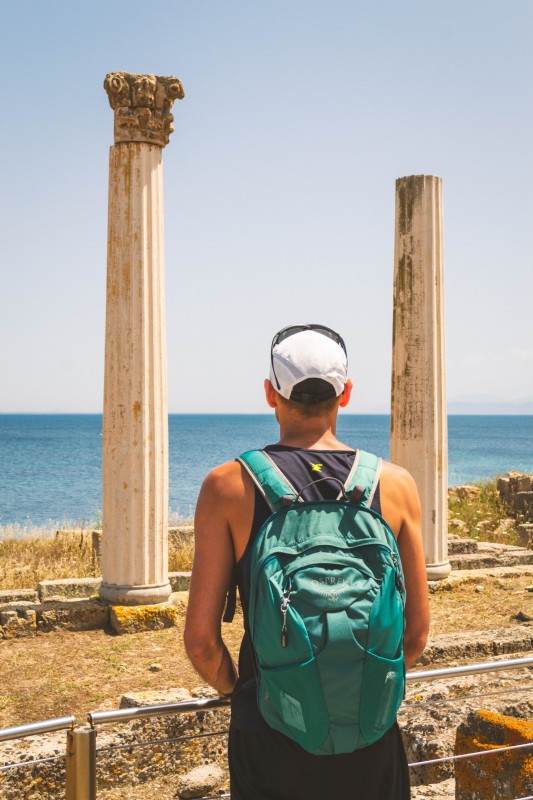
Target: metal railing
{"x": 33, "y": 728}
{"x": 141, "y": 712}
{"x": 81, "y": 748}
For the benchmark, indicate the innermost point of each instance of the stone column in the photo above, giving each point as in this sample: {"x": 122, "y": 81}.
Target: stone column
{"x": 419, "y": 426}
{"x": 135, "y": 428}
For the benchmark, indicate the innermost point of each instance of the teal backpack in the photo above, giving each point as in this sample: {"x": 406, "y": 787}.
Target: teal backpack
{"x": 326, "y": 611}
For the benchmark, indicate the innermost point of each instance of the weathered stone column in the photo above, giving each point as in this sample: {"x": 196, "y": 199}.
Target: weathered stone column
{"x": 135, "y": 428}
{"x": 419, "y": 426}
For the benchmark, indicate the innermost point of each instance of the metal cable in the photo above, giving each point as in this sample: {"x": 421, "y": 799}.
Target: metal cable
{"x": 462, "y": 697}
{"x": 472, "y": 755}
{"x": 159, "y": 741}
{"x": 219, "y": 796}
{"x": 29, "y": 763}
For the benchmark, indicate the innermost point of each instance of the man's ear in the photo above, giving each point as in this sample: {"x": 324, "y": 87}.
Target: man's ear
{"x": 271, "y": 394}
{"x": 347, "y": 393}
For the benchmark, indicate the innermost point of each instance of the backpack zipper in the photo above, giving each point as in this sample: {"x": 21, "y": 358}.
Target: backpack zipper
{"x": 400, "y": 585}
{"x": 390, "y": 551}
{"x": 286, "y": 599}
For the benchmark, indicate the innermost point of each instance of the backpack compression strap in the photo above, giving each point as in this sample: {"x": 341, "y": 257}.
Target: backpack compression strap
{"x": 268, "y": 478}
{"x": 365, "y": 474}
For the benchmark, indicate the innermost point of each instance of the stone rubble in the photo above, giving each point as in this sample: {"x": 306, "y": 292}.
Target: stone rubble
{"x": 200, "y": 782}
{"x": 516, "y": 492}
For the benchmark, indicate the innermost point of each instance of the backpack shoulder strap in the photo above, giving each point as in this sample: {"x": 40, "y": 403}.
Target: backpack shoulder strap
{"x": 273, "y": 485}
{"x": 364, "y": 474}
{"x": 267, "y": 476}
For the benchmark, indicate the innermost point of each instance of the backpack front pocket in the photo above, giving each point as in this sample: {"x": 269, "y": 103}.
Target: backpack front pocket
{"x": 382, "y": 691}
{"x": 291, "y": 701}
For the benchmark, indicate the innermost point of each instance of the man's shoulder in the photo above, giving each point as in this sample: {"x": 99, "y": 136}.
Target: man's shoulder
{"x": 226, "y": 481}
{"x": 397, "y": 480}
{"x": 396, "y": 473}
{"x": 399, "y": 497}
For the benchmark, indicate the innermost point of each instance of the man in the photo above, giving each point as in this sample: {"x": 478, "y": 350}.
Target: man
{"x": 308, "y": 384}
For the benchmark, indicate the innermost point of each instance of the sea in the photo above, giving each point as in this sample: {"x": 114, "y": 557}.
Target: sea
{"x": 51, "y": 464}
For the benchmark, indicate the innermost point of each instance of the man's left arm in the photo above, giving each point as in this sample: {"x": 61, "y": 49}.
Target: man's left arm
{"x": 211, "y": 575}
{"x": 411, "y": 550}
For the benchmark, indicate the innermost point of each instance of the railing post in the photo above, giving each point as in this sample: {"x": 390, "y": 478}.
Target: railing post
{"x": 81, "y": 764}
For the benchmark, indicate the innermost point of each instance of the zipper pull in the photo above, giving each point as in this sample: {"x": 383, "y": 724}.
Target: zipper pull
{"x": 284, "y": 606}
{"x": 399, "y": 576}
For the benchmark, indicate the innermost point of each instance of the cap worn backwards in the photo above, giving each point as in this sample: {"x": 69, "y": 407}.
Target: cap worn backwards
{"x": 308, "y": 367}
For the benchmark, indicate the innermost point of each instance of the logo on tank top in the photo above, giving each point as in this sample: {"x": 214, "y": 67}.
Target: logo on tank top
{"x": 316, "y": 467}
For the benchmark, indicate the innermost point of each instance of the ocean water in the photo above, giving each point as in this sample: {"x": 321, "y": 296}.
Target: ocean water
{"x": 50, "y": 464}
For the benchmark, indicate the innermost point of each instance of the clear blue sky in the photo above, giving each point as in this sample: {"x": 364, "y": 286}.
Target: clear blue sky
{"x": 279, "y": 187}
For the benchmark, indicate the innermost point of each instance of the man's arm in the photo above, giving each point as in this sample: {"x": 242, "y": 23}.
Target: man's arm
{"x": 401, "y": 508}
{"x": 211, "y": 576}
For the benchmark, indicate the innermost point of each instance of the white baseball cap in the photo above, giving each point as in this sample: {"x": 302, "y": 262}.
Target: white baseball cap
{"x": 308, "y": 363}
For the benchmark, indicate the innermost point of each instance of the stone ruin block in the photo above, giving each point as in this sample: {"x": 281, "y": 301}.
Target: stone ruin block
{"x": 18, "y": 595}
{"x": 467, "y": 492}
{"x": 72, "y": 615}
{"x": 524, "y": 504}
{"x": 68, "y": 588}
{"x": 179, "y": 581}
{"x": 516, "y": 491}
{"x": 519, "y": 482}
{"x": 525, "y": 535}
{"x": 133, "y": 619}
{"x": 15, "y": 622}
{"x": 496, "y": 775}
{"x": 503, "y": 487}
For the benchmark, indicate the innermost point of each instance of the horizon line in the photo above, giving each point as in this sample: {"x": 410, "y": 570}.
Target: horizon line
{"x": 256, "y": 413}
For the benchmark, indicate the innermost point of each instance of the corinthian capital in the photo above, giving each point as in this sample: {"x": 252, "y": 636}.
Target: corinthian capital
{"x": 142, "y": 106}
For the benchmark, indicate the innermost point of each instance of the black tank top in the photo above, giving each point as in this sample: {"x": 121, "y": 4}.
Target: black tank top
{"x": 304, "y": 469}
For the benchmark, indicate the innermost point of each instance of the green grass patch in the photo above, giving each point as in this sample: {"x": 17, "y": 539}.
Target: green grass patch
{"x": 481, "y": 515}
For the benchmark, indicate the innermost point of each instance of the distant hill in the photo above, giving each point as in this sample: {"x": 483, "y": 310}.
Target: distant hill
{"x": 489, "y": 405}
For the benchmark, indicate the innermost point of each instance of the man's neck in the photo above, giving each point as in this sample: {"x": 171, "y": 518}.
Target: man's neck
{"x": 309, "y": 433}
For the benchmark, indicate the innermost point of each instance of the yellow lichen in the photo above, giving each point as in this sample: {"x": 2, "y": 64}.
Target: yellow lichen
{"x": 481, "y": 778}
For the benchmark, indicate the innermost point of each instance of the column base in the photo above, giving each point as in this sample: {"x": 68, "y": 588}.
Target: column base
{"x": 116, "y": 595}
{"x": 437, "y": 572}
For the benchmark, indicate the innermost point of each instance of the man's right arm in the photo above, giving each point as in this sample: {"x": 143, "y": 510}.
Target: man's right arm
{"x": 211, "y": 575}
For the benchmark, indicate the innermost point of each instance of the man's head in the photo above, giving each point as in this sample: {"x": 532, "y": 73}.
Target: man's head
{"x": 308, "y": 367}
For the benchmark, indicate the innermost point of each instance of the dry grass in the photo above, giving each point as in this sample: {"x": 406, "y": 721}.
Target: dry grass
{"x": 493, "y": 603}
{"x": 180, "y": 552}
{"x": 30, "y": 554}
{"x": 26, "y": 562}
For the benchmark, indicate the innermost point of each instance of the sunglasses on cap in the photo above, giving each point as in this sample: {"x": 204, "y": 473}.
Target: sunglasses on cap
{"x": 290, "y": 330}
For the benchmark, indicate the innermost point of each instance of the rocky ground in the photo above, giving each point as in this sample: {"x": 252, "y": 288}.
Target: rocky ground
{"x": 483, "y": 612}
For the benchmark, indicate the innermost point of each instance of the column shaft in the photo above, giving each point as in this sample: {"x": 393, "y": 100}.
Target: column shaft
{"x": 419, "y": 432}
{"x": 135, "y": 430}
